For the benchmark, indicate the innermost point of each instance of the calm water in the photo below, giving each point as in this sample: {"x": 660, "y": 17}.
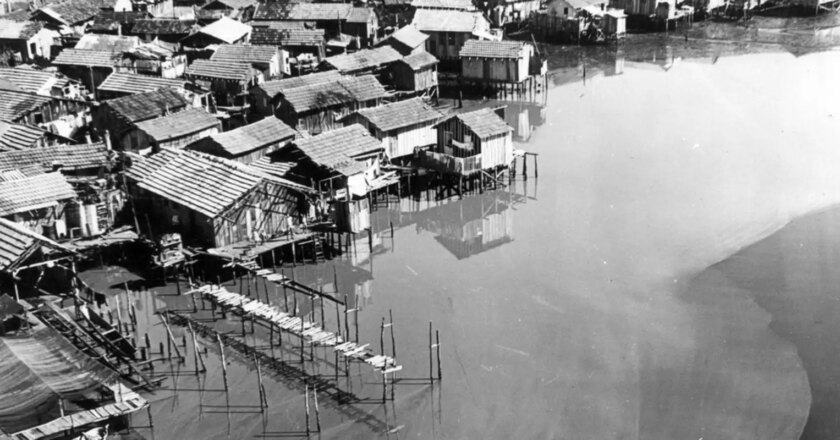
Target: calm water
{"x": 649, "y": 285}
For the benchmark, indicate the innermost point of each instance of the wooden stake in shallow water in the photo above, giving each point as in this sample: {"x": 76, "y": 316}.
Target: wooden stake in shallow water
{"x": 317, "y": 411}
{"x": 306, "y": 400}
{"x": 171, "y": 344}
{"x": 196, "y": 352}
{"x": 224, "y": 362}
{"x": 263, "y": 400}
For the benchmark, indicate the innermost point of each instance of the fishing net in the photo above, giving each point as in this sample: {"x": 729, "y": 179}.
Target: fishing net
{"x": 37, "y": 370}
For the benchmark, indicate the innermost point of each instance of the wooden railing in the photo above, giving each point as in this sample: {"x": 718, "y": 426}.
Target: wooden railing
{"x": 449, "y": 164}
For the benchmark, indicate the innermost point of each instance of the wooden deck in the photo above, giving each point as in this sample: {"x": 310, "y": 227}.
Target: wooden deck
{"x": 308, "y": 331}
{"x": 250, "y": 250}
{"x": 127, "y": 402}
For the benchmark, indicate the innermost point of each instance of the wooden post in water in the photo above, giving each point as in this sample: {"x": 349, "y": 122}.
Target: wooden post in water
{"x": 172, "y": 343}
{"x": 263, "y": 400}
{"x": 317, "y": 410}
{"x": 196, "y": 352}
{"x": 337, "y": 320}
{"x": 224, "y": 362}
{"x": 148, "y": 342}
{"x": 346, "y": 318}
{"x": 437, "y": 345}
{"x": 301, "y": 341}
{"x": 321, "y": 303}
{"x": 393, "y": 341}
{"x": 306, "y": 399}
{"x": 431, "y": 348}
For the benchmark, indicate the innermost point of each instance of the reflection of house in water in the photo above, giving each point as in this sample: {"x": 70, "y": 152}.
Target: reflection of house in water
{"x": 472, "y": 225}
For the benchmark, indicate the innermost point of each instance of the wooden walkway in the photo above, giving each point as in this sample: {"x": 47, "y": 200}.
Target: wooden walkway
{"x": 308, "y": 331}
{"x": 282, "y": 280}
{"x": 127, "y": 402}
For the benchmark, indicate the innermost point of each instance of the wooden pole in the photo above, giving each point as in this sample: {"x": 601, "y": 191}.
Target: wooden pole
{"x": 224, "y": 362}
{"x": 393, "y": 342}
{"x": 196, "y": 352}
{"x": 263, "y": 400}
{"x": 382, "y": 337}
{"x": 431, "y": 347}
{"x": 437, "y": 339}
{"x": 306, "y": 398}
{"x": 171, "y": 339}
{"x": 317, "y": 410}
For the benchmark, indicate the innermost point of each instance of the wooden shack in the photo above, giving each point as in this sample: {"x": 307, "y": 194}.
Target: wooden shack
{"x": 123, "y": 84}
{"x": 248, "y": 143}
{"x": 302, "y": 48}
{"x": 266, "y": 96}
{"x": 38, "y": 200}
{"x": 91, "y": 67}
{"x": 449, "y": 30}
{"x": 42, "y": 82}
{"x": 495, "y": 61}
{"x": 70, "y": 17}
{"x": 407, "y": 40}
{"x": 358, "y": 22}
{"x": 27, "y": 40}
{"x": 176, "y": 130}
{"x": 317, "y": 108}
{"x": 229, "y": 81}
{"x": 241, "y": 10}
{"x": 416, "y": 73}
{"x": 15, "y": 137}
{"x": 504, "y": 12}
{"x": 340, "y": 162}
{"x": 267, "y": 59}
{"x": 64, "y": 117}
{"x": 365, "y": 61}
{"x": 212, "y": 201}
{"x": 402, "y": 126}
{"x": 119, "y": 117}
{"x": 470, "y": 142}
{"x": 169, "y": 30}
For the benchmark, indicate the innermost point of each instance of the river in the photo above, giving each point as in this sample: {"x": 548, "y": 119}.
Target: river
{"x": 669, "y": 274}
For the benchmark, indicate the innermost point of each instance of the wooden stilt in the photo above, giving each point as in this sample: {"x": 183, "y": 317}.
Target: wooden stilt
{"x": 171, "y": 339}
{"x": 224, "y": 362}
{"x": 317, "y": 410}
{"x": 431, "y": 348}
{"x": 393, "y": 341}
{"x": 306, "y": 399}
{"x": 437, "y": 345}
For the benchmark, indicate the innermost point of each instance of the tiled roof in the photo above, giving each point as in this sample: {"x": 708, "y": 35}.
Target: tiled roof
{"x": 163, "y": 26}
{"x": 302, "y": 11}
{"x": 434, "y": 20}
{"x": 400, "y": 114}
{"x": 112, "y": 21}
{"x": 14, "y": 30}
{"x": 287, "y": 37}
{"x": 492, "y": 49}
{"x": 198, "y": 181}
{"x": 14, "y": 105}
{"x": 461, "y": 5}
{"x": 244, "y": 54}
{"x": 226, "y": 30}
{"x": 71, "y": 157}
{"x": 420, "y": 60}
{"x": 409, "y": 37}
{"x": 272, "y": 88}
{"x": 33, "y": 192}
{"x": 359, "y": 14}
{"x": 32, "y": 80}
{"x": 218, "y": 69}
{"x": 484, "y": 122}
{"x": 88, "y": 58}
{"x": 18, "y": 136}
{"x": 178, "y": 124}
{"x": 135, "y": 83}
{"x": 364, "y": 59}
{"x": 283, "y": 25}
{"x": 268, "y": 165}
{"x": 17, "y": 243}
{"x": 254, "y": 136}
{"x": 147, "y": 105}
{"x": 108, "y": 43}
{"x": 338, "y": 149}
{"x": 71, "y": 12}
{"x": 344, "y": 90}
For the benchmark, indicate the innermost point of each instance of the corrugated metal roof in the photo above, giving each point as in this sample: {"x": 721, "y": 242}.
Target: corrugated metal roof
{"x": 254, "y": 136}
{"x": 147, "y": 105}
{"x": 302, "y": 11}
{"x": 71, "y": 157}
{"x": 409, "y": 37}
{"x": 32, "y": 80}
{"x": 163, "y": 26}
{"x": 272, "y": 88}
{"x": 338, "y": 149}
{"x": 219, "y": 69}
{"x": 226, "y": 30}
{"x": 14, "y": 105}
{"x": 484, "y": 122}
{"x": 420, "y": 60}
{"x": 178, "y": 124}
{"x": 18, "y": 136}
{"x": 400, "y": 114}
{"x": 33, "y": 192}
{"x": 287, "y": 37}
{"x": 198, "y": 181}
{"x": 244, "y": 54}
{"x": 434, "y": 20}
{"x": 88, "y": 58}
{"x": 364, "y": 59}
{"x": 461, "y": 5}
{"x": 344, "y": 90}
{"x": 23, "y": 30}
{"x": 106, "y": 42}
{"x": 134, "y": 83}
{"x": 492, "y": 49}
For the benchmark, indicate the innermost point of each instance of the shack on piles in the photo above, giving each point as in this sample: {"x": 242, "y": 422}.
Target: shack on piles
{"x": 469, "y": 143}
{"x": 212, "y": 201}
{"x": 119, "y": 117}
{"x": 402, "y": 126}
{"x": 248, "y": 143}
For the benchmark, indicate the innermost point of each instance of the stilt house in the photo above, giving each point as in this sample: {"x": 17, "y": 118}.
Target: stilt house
{"x": 176, "y": 130}
{"x": 248, "y": 143}
{"x": 402, "y": 126}
{"x": 471, "y": 142}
